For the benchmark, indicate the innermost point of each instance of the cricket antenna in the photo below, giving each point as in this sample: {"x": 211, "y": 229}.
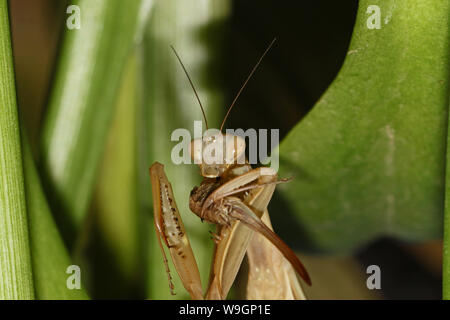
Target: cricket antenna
{"x": 245, "y": 83}
{"x": 192, "y": 85}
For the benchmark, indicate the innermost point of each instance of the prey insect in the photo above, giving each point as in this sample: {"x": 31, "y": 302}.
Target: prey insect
{"x": 234, "y": 196}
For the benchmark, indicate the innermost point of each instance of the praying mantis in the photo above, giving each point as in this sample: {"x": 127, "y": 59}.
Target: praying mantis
{"x": 234, "y": 196}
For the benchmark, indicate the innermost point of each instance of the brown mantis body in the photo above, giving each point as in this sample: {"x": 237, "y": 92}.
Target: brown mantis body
{"x": 233, "y": 196}
{"x": 227, "y": 202}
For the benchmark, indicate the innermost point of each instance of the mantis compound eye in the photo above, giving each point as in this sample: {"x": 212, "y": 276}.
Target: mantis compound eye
{"x": 215, "y": 153}
{"x": 234, "y": 149}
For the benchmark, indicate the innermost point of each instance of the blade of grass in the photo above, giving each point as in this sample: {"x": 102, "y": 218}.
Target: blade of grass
{"x": 115, "y": 242}
{"x": 446, "y": 249}
{"x": 15, "y": 262}
{"x": 49, "y": 256}
{"x": 81, "y": 103}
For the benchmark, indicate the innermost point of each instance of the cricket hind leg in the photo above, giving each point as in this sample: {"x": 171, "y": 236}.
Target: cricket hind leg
{"x": 246, "y": 215}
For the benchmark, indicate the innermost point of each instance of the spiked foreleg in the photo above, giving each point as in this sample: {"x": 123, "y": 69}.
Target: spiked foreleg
{"x": 170, "y": 228}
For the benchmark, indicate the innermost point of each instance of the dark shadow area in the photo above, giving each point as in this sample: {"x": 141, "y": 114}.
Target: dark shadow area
{"x": 312, "y": 42}
{"x": 402, "y": 277}
{"x": 108, "y": 280}
{"x": 288, "y": 226}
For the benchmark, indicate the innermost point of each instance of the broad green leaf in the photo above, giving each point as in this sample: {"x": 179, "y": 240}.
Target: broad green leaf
{"x": 369, "y": 159}
{"x": 82, "y": 100}
{"x": 15, "y": 263}
{"x": 168, "y": 103}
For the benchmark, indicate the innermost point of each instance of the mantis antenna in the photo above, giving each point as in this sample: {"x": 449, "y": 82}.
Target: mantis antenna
{"x": 245, "y": 83}
{"x": 192, "y": 85}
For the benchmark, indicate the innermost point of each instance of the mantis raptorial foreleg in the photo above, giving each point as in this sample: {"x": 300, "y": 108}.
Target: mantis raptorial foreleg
{"x": 170, "y": 228}
{"x": 234, "y": 235}
{"x": 230, "y": 251}
{"x": 238, "y": 182}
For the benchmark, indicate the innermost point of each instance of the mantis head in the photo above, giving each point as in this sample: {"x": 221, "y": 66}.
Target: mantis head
{"x": 215, "y": 153}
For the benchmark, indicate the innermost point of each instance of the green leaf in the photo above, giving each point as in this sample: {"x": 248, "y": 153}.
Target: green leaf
{"x": 82, "y": 100}
{"x": 369, "y": 159}
{"x": 168, "y": 103}
{"x": 446, "y": 248}
{"x": 115, "y": 242}
{"x": 15, "y": 264}
{"x": 49, "y": 256}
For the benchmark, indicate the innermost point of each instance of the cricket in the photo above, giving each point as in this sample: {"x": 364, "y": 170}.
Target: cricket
{"x": 234, "y": 196}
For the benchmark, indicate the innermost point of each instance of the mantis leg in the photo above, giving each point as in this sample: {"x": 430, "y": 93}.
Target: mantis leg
{"x": 270, "y": 275}
{"x": 170, "y": 228}
{"x": 238, "y": 182}
{"x": 237, "y": 239}
{"x": 230, "y": 251}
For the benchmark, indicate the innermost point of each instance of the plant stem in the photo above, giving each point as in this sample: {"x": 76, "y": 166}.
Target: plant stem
{"x": 15, "y": 264}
